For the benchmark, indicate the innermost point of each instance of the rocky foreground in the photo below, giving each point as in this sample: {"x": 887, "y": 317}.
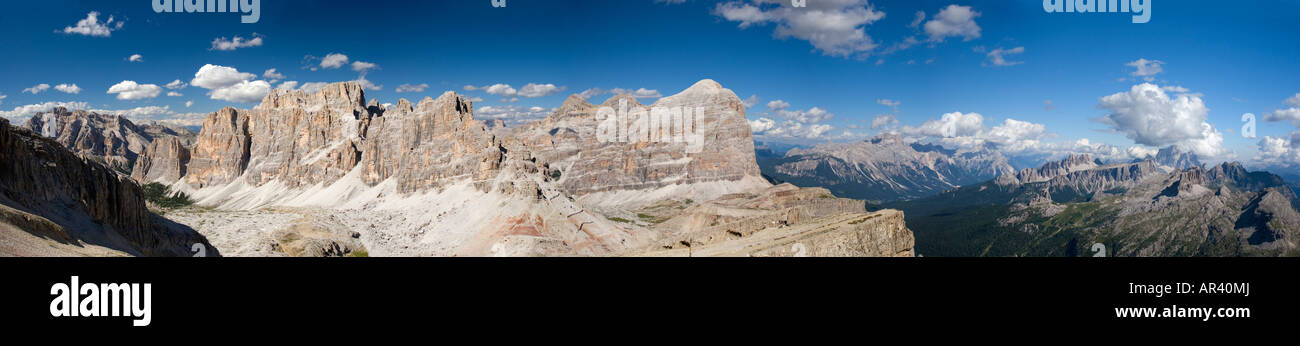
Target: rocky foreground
{"x": 334, "y": 174}
{"x": 56, "y": 203}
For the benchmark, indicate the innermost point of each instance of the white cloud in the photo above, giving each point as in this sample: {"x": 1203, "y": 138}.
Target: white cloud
{"x": 587, "y": 94}
{"x": 272, "y": 74}
{"x": 36, "y": 89}
{"x": 174, "y": 94}
{"x": 216, "y": 77}
{"x": 761, "y": 125}
{"x": 1146, "y": 69}
{"x": 888, "y": 103}
{"x": 1141, "y": 152}
{"x": 1294, "y": 100}
{"x": 997, "y": 57}
{"x": 1289, "y": 114}
{"x": 835, "y": 27}
{"x": 777, "y": 105}
{"x": 188, "y": 104}
{"x": 750, "y": 102}
{"x": 244, "y": 91}
{"x": 2, "y": 98}
{"x": 530, "y": 90}
{"x": 366, "y": 84}
{"x": 68, "y": 88}
{"x": 312, "y": 88}
{"x": 29, "y": 110}
{"x": 334, "y": 60}
{"x": 362, "y": 66}
{"x": 640, "y": 93}
{"x": 287, "y": 85}
{"x": 1283, "y": 151}
{"x": 412, "y": 88}
{"x": 1150, "y": 117}
{"x": 539, "y": 90}
{"x": 222, "y": 43}
{"x": 920, "y": 18}
{"x": 883, "y": 120}
{"x": 955, "y": 124}
{"x": 135, "y": 58}
{"x": 130, "y": 90}
{"x": 953, "y": 21}
{"x": 810, "y": 116}
{"x": 500, "y": 90}
{"x": 176, "y": 84}
{"x": 90, "y": 26}
{"x": 228, "y": 84}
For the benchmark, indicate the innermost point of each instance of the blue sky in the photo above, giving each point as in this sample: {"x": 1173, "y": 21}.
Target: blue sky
{"x": 832, "y": 69}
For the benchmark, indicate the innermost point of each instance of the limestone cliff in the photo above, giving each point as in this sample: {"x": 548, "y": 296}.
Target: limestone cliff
{"x": 64, "y": 198}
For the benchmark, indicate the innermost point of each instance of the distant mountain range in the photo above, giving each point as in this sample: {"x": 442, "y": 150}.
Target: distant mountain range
{"x": 885, "y": 168}
{"x": 1135, "y": 209}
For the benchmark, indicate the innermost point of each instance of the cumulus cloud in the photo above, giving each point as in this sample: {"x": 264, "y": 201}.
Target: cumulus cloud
{"x": 313, "y": 87}
{"x": 1141, "y": 152}
{"x": 68, "y": 88}
{"x": 362, "y": 66}
{"x": 272, "y": 74}
{"x": 244, "y": 91}
{"x": 889, "y": 103}
{"x": 188, "y": 104}
{"x": 1150, "y": 117}
{"x": 333, "y": 61}
{"x": 777, "y": 105}
{"x": 287, "y": 85}
{"x": 222, "y": 43}
{"x": 1281, "y": 151}
{"x": 500, "y": 90}
{"x": 953, "y": 21}
{"x": 412, "y": 88}
{"x": 1146, "y": 69}
{"x": 36, "y": 89}
{"x": 174, "y": 94}
{"x": 640, "y": 93}
{"x": 228, "y": 84}
{"x": 955, "y": 124}
{"x": 130, "y": 90}
{"x": 883, "y": 120}
{"x": 91, "y": 26}
{"x": 790, "y": 129}
{"x": 135, "y": 58}
{"x": 997, "y": 57}
{"x": 834, "y": 27}
{"x": 539, "y": 90}
{"x": 810, "y": 116}
{"x": 215, "y": 76}
{"x": 29, "y": 110}
{"x": 176, "y": 84}
{"x": 1294, "y": 101}
{"x": 367, "y": 84}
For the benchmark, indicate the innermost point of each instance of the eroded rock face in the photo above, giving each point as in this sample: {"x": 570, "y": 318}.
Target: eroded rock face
{"x": 428, "y": 144}
{"x": 91, "y": 202}
{"x": 221, "y": 151}
{"x": 111, "y": 139}
{"x": 164, "y": 160}
{"x": 568, "y": 141}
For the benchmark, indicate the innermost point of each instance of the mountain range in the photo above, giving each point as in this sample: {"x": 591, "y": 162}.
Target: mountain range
{"x": 332, "y": 173}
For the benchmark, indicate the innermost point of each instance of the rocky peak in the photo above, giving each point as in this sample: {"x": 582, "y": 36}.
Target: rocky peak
{"x": 1176, "y": 157}
{"x": 107, "y": 138}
